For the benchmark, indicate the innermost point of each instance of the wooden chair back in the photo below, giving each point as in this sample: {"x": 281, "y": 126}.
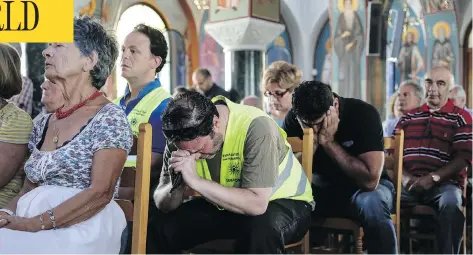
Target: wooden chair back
{"x": 394, "y": 148}
{"x": 127, "y": 179}
{"x": 306, "y": 148}
{"x": 138, "y": 178}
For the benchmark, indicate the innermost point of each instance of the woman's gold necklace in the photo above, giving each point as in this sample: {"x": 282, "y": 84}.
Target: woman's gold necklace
{"x": 55, "y": 136}
{"x": 56, "y": 130}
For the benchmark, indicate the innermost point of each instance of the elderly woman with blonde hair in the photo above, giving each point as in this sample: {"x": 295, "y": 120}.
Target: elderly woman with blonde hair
{"x": 279, "y": 81}
{"x": 77, "y": 154}
{"x": 393, "y": 114}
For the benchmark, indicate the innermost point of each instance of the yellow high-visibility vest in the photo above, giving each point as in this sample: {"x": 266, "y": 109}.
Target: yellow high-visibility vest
{"x": 141, "y": 114}
{"x": 292, "y": 181}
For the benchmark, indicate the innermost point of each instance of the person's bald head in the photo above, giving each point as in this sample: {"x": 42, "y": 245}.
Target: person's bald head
{"x": 202, "y": 80}
{"x": 252, "y": 101}
{"x": 437, "y": 84}
{"x": 445, "y": 73}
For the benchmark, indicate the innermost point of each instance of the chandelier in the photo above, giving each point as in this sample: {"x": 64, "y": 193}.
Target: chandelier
{"x": 202, "y": 4}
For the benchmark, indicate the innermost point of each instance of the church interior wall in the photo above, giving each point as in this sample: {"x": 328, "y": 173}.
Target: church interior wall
{"x": 464, "y": 18}
{"x": 303, "y": 19}
{"x": 170, "y": 11}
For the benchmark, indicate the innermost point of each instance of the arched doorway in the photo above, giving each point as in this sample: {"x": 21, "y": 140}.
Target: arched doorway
{"x": 134, "y": 15}
{"x": 211, "y": 54}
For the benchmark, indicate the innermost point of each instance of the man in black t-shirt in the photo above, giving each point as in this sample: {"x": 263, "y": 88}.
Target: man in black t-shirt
{"x": 202, "y": 82}
{"x": 348, "y": 161}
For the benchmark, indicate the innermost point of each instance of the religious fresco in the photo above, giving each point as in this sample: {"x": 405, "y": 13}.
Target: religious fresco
{"x": 224, "y": 4}
{"x": 323, "y": 56}
{"x": 410, "y": 61}
{"x": 279, "y": 50}
{"x": 432, "y": 6}
{"x": 348, "y": 37}
{"x": 211, "y": 54}
{"x": 411, "y": 58}
{"x": 442, "y": 37}
{"x": 228, "y": 9}
{"x": 178, "y": 47}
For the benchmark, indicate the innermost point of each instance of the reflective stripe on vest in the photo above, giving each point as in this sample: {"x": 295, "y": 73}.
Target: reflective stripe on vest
{"x": 292, "y": 181}
{"x": 286, "y": 173}
{"x": 142, "y": 112}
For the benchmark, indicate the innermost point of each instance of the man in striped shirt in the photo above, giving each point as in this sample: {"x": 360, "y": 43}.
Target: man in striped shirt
{"x": 437, "y": 149}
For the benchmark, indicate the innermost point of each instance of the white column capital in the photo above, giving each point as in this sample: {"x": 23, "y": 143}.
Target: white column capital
{"x": 244, "y": 33}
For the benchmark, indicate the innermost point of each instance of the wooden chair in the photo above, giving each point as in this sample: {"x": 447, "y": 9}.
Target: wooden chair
{"x": 348, "y": 225}
{"x": 306, "y": 148}
{"x": 424, "y": 212}
{"x": 397, "y": 146}
{"x": 139, "y": 178}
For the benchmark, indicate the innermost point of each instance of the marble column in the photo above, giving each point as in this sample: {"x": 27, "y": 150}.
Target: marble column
{"x": 244, "y": 41}
{"x": 245, "y": 71}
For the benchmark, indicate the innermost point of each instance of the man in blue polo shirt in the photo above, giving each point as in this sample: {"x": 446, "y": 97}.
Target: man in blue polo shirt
{"x": 144, "y": 53}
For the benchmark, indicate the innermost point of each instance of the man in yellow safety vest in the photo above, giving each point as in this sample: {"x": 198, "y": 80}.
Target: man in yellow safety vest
{"x": 144, "y": 53}
{"x": 254, "y": 189}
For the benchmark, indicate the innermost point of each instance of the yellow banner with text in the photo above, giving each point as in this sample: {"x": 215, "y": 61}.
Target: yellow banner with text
{"x": 36, "y": 21}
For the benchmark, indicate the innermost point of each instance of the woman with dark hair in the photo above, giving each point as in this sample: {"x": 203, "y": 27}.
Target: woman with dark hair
{"x": 77, "y": 155}
{"x": 15, "y": 126}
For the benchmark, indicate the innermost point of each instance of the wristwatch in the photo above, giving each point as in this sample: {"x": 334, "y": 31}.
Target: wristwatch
{"x": 435, "y": 177}
{"x": 7, "y": 211}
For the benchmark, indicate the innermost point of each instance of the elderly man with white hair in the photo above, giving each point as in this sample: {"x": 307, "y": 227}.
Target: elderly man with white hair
{"x": 437, "y": 149}
{"x": 411, "y": 95}
{"x": 458, "y": 96}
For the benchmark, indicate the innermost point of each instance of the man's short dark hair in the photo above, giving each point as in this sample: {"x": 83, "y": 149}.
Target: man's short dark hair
{"x": 188, "y": 116}
{"x": 311, "y": 100}
{"x": 204, "y": 72}
{"x": 158, "y": 45}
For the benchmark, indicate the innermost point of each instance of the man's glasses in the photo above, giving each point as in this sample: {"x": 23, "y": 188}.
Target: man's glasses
{"x": 308, "y": 124}
{"x": 277, "y": 94}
